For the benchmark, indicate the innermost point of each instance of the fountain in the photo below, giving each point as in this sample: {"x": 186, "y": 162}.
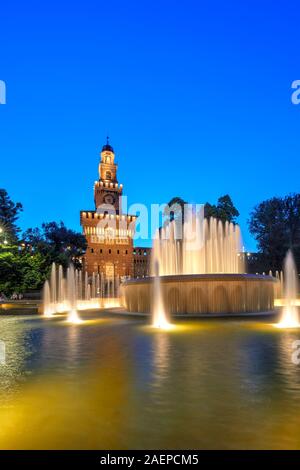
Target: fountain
{"x": 290, "y": 314}
{"x": 72, "y": 298}
{"x": 53, "y": 289}
{"x": 201, "y": 272}
{"x": 158, "y": 310}
{"x": 48, "y": 312}
{"x": 205, "y": 247}
{"x": 70, "y": 293}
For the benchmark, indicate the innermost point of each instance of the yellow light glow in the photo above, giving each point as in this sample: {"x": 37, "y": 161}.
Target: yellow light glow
{"x": 289, "y": 318}
{"x": 73, "y": 317}
{"x": 282, "y": 302}
{"x": 48, "y": 313}
{"x": 163, "y": 324}
{"x": 286, "y": 325}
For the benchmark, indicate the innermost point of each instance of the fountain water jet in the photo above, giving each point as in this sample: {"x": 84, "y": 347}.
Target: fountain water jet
{"x": 75, "y": 292}
{"x": 290, "y": 314}
{"x": 158, "y": 310}
{"x": 71, "y": 286}
{"x": 48, "y": 310}
{"x": 206, "y": 247}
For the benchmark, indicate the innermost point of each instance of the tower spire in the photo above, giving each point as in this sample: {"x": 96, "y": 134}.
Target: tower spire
{"x": 107, "y": 146}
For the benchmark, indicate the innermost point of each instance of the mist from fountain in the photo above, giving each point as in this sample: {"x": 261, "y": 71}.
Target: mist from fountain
{"x": 70, "y": 293}
{"x": 159, "y": 317}
{"x": 71, "y": 296}
{"x": 48, "y": 310}
{"x": 204, "y": 247}
{"x": 61, "y": 286}
{"x": 290, "y": 313}
{"x": 53, "y": 289}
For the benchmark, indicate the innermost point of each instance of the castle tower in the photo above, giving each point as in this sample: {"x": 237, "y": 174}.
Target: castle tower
{"x": 109, "y": 232}
{"x": 107, "y": 191}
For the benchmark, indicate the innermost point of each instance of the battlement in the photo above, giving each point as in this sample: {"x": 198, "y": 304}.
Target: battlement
{"x": 94, "y": 215}
{"x": 108, "y": 184}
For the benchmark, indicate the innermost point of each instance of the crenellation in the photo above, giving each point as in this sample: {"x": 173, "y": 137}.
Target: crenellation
{"x": 103, "y": 253}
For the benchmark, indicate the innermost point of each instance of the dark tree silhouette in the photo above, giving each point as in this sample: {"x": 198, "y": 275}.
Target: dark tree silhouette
{"x": 57, "y": 243}
{"x": 9, "y": 214}
{"x": 275, "y": 224}
{"x": 224, "y": 210}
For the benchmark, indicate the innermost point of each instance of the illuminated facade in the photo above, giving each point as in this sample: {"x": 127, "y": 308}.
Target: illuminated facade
{"x": 109, "y": 232}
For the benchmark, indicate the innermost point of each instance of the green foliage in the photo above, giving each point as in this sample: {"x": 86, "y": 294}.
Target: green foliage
{"x": 27, "y": 268}
{"x": 35, "y": 270}
{"x": 20, "y": 272}
{"x": 275, "y": 224}
{"x": 224, "y": 210}
{"x": 56, "y": 243}
{"x": 9, "y": 213}
{"x": 174, "y": 210}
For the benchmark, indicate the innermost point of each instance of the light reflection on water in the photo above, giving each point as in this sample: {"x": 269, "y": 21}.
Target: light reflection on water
{"x": 116, "y": 383}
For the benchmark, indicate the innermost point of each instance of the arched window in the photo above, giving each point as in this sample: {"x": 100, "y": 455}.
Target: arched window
{"x": 108, "y": 175}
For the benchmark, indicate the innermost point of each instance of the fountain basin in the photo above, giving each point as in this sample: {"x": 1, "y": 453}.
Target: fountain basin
{"x": 203, "y": 293}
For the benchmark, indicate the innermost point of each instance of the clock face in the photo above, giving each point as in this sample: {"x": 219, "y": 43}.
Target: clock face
{"x": 109, "y": 199}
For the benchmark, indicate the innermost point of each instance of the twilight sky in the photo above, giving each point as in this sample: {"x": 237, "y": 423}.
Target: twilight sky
{"x": 196, "y": 98}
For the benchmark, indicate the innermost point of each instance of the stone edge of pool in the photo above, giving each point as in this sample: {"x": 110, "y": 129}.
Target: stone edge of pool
{"x": 33, "y": 308}
{"x": 119, "y": 311}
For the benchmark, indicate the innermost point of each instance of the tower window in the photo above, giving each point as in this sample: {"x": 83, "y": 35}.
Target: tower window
{"x": 109, "y": 251}
{"x": 92, "y": 250}
{"x": 100, "y": 250}
{"x": 108, "y": 175}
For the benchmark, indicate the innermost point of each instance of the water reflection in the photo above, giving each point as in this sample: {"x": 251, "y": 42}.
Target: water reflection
{"x": 115, "y": 383}
{"x": 161, "y": 357}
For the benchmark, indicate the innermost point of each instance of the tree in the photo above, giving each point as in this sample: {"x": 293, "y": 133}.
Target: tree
{"x": 275, "y": 224}
{"x": 10, "y": 272}
{"x": 57, "y": 243}
{"x": 27, "y": 267}
{"x": 210, "y": 210}
{"x": 21, "y": 272}
{"x": 35, "y": 270}
{"x": 224, "y": 210}
{"x": 174, "y": 210}
{"x": 9, "y": 214}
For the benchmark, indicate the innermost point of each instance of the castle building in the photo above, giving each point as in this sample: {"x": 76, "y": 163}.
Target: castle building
{"x": 109, "y": 232}
{"x": 141, "y": 261}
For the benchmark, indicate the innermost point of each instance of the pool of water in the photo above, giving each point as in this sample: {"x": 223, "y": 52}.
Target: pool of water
{"x": 116, "y": 383}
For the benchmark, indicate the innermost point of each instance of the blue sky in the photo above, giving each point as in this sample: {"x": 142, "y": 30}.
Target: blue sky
{"x": 196, "y": 97}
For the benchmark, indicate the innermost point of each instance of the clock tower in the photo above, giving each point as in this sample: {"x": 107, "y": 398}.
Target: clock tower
{"x": 108, "y": 231}
{"x": 107, "y": 191}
